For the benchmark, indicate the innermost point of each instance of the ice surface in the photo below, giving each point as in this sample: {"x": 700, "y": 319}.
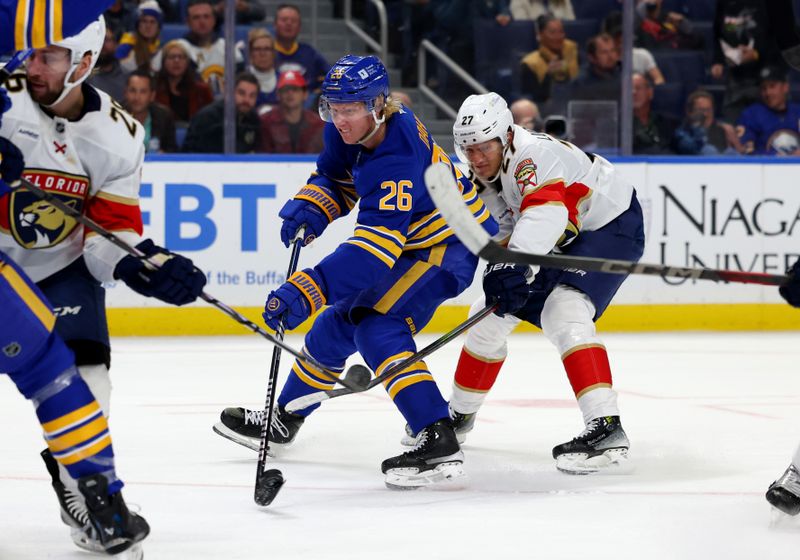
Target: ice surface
{"x": 712, "y": 420}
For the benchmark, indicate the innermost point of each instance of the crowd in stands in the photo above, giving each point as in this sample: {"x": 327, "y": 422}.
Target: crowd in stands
{"x": 707, "y": 76}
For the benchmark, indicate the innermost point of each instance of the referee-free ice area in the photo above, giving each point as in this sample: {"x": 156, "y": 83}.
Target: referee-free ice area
{"x": 712, "y": 419}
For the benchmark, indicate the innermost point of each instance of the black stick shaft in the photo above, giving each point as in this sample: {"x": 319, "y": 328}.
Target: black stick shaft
{"x": 230, "y": 312}
{"x": 263, "y": 448}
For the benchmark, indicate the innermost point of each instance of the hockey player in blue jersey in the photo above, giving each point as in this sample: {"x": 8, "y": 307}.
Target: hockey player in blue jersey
{"x": 33, "y": 24}
{"x": 382, "y": 284}
{"x": 36, "y": 358}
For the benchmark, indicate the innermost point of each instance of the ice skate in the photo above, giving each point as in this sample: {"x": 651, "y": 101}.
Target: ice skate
{"x": 784, "y": 493}
{"x": 462, "y": 424}
{"x": 436, "y": 458}
{"x": 117, "y": 529}
{"x": 601, "y": 447}
{"x": 243, "y": 426}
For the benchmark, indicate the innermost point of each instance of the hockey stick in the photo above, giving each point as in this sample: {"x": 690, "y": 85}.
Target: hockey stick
{"x": 13, "y": 63}
{"x": 269, "y": 482}
{"x": 445, "y": 193}
{"x": 230, "y": 312}
{"x": 357, "y": 372}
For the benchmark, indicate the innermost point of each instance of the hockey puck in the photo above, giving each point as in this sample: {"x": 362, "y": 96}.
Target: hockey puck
{"x": 359, "y": 375}
{"x": 268, "y": 484}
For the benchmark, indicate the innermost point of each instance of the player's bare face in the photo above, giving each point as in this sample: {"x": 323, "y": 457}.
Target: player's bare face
{"x": 45, "y": 72}
{"x": 352, "y": 120}
{"x": 485, "y": 158}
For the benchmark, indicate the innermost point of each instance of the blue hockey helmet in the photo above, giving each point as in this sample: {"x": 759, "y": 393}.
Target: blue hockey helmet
{"x": 356, "y": 78}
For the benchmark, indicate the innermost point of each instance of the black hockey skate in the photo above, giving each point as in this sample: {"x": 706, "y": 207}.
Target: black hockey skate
{"x": 784, "y": 493}
{"x": 462, "y": 424}
{"x": 117, "y": 529}
{"x": 436, "y": 458}
{"x": 602, "y": 446}
{"x": 243, "y": 426}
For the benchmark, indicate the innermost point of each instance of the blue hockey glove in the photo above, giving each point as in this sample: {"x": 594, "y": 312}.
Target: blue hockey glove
{"x": 791, "y": 289}
{"x": 5, "y": 102}
{"x": 12, "y": 163}
{"x": 295, "y": 301}
{"x": 315, "y": 207}
{"x": 177, "y": 281}
{"x": 506, "y": 285}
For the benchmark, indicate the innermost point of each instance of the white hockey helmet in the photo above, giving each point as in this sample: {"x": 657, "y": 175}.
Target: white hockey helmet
{"x": 481, "y": 118}
{"x": 90, "y": 39}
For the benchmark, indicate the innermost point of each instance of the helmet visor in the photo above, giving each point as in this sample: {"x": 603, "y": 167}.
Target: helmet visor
{"x": 335, "y": 111}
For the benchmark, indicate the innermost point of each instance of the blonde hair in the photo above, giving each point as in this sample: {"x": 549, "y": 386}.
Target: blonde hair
{"x": 258, "y": 33}
{"x": 391, "y": 107}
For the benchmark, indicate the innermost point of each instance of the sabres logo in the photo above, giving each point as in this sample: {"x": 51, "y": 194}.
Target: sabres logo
{"x": 273, "y": 304}
{"x": 36, "y": 224}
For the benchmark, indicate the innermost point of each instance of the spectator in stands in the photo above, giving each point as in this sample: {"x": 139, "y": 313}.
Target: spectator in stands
{"x": 177, "y": 84}
{"x": 402, "y": 97}
{"x": 261, "y": 55}
{"x": 652, "y": 131}
{"x": 555, "y": 61}
{"x": 290, "y": 128}
{"x": 157, "y": 121}
{"x": 206, "y": 132}
{"x": 121, "y": 15}
{"x": 643, "y": 60}
{"x": 526, "y": 114}
{"x": 670, "y": 30}
{"x": 742, "y": 47}
{"x": 532, "y": 9}
{"x": 247, "y": 11}
{"x": 171, "y": 10}
{"x": 771, "y": 126}
{"x": 600, "y": 77}
{"x": 206, "y": 49}
{"x": 295, "y": 56}
{"x": 108, "y": 75}
{"x": 700, "y": 133}
{"x": 137, "y": 48}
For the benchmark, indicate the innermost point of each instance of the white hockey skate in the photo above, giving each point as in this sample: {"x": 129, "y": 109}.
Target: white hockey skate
{"x": 462, "y": 424}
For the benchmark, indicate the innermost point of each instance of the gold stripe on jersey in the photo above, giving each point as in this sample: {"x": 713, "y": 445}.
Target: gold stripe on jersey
{"x": 388, "y": 261}
{"x": 71, "y": 419}
{"x": 390, "y": 361}
{"x": 126, "y": 200}
{"x": 308, "y": 375}
{"x": 21, "y": 26}
{"x": 39, "y": 28}
{"x": 31, "y": 299}
{"x": 402, "y": 285}
{"x": 411, "y": 378}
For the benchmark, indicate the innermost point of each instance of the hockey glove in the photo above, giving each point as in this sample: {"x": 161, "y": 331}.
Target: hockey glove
{"x": 12, "y": 163}
{"x": 791, "y": 289}
{"x": 300, "y": 297}
{"x": 177, "y": 281}
{"x": 315, "y": 207}
{"x": 5, "y": 102}
{"x": 506, "y": 285}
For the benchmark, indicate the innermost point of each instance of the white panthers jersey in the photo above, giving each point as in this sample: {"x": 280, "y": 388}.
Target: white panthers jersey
{"x": 551, "y": 191}
{"x": 93, "y": 164}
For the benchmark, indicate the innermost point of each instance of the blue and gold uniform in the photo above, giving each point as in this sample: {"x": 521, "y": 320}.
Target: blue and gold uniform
{"x": 33, "y": 24}
{"x": 385, "y": 281}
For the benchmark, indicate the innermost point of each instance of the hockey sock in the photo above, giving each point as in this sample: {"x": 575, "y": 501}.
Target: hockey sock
{"x": 75, "y": 429}
{"x": 589, "y": 374}
{"x": 474, "y": 378}
{"x": 304, "y": 380}
{"x": 415, "y": 393}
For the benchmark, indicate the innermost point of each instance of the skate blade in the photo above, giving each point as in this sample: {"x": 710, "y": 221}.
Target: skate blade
{"x": 611, "y": 461}
{"x": 84, "y": 541}
{"x": 275, "y": 449}
{"x": 442, "y": 476}
{"x": 135, "y": 552}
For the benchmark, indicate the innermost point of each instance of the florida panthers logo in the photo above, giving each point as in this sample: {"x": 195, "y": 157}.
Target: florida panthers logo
{"x": 36, "y": 224}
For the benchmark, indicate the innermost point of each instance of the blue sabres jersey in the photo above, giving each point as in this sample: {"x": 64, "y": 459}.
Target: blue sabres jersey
{"x": 37, "y": 23}
{"x": 396, "y": 214}
{"x": 764, "y": 131}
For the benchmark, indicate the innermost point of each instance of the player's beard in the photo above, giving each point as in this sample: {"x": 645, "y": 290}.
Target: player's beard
{"x": 43, "y": 97}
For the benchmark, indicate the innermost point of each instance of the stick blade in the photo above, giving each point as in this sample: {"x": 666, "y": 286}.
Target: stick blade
{"x": 446, "y": 194}
{"x": 268, "y": 484}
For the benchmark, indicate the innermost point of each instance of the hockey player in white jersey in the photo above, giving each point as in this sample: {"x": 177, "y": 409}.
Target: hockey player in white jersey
{"x": 82, "y": 147}
{"x": 547, "y": 195}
